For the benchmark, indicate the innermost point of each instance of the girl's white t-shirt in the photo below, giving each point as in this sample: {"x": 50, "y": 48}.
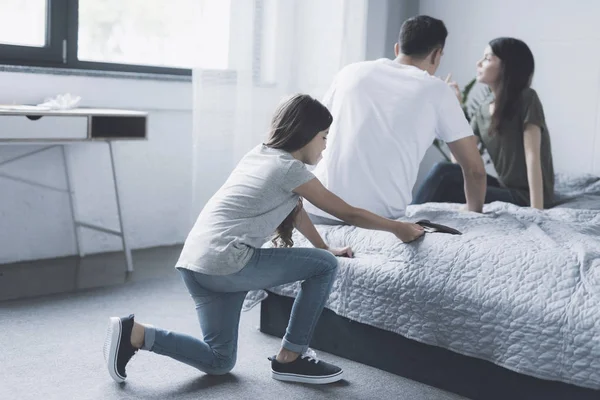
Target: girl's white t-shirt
{"x": 245, "y": 212}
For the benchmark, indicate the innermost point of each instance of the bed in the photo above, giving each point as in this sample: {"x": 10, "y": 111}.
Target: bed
{"x": 509, "y": 309}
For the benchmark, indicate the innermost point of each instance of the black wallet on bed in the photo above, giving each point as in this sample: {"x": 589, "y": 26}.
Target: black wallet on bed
{"x": 431, "y": 227}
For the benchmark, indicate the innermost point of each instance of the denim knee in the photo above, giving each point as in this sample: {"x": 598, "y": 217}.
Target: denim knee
{"x": 330, "y": 262}
{"x": 221, "y": 370}
{"x": 223, "y": 363}
{"x": 441, "y": 168}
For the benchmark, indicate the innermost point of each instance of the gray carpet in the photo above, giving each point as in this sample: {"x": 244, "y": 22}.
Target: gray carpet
{"x": 51, "y": 348}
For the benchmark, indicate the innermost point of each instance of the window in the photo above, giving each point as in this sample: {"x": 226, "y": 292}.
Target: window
{"x": 32, "y": 31}
{"x": 23, "y": 22}
{"x": 175, "y": 33}
{"x": 155, "y": 36}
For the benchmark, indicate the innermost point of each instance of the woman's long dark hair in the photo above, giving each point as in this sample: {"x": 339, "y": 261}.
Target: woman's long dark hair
{"x": 516, "y": 74}
{"x": 297, "y": 120}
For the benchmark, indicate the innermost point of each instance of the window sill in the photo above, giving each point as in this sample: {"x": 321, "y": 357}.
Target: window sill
{"x": 218, "y": 76}
{"x": 95, "y": 73}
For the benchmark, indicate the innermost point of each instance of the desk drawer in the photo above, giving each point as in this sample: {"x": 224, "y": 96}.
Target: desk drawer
{"x": 47, "y": 127}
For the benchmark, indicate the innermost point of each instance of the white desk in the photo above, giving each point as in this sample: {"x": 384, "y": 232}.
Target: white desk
{"x": 59, "y": 128}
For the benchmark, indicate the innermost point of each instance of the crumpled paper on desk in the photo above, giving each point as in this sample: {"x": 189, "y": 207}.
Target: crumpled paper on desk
{"x": 65, "y": 101}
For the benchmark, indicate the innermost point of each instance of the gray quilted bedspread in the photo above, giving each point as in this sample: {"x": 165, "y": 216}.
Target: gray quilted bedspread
{"x": 520, "y": 287}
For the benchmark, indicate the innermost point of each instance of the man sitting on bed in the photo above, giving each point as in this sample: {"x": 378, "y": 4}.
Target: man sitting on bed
{"x": 386, "y": 114}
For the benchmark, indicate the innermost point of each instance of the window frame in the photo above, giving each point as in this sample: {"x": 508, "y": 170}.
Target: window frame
{"x": 74, "y": 63}
{"x": 61, "y": 50}
{"x": 53, "y": 53}
{"x": 62, "y": 32}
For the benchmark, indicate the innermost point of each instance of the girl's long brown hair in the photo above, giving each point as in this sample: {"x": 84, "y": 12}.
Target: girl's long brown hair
{"x": 516, "y": 74}
{"x": 297, "y": 120}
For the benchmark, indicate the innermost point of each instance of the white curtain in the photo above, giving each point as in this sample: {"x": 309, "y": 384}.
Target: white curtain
{"x": 276, "y": 48}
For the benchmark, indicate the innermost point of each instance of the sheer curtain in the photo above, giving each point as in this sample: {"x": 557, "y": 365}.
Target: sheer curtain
{"x": 276, "y": 48}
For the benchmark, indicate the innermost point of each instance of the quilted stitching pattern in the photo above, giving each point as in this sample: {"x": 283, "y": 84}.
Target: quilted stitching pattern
{"x": 520, "y": 287}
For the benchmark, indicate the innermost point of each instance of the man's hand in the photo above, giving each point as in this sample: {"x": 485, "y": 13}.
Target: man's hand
{"x": 467, "y": 155}
{"x": 342, "y": 252}
{"x": 408, "y": 232}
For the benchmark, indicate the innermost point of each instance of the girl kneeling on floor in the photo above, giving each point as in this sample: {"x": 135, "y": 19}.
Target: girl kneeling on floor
{"x": 223, "y": 258}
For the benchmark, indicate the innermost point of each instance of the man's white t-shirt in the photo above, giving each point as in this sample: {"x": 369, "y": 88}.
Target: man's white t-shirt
{"x": 385, "y": 117}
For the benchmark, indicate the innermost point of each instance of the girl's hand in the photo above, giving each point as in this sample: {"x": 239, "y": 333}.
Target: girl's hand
{"x": 454, "y": 86}
{"x": 408, "y": 232}
{"x": 342, "y": 252}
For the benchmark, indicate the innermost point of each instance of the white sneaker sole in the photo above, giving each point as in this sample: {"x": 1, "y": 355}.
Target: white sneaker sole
{"x": 111, "y": 348}
{"x": 315, "y": 380}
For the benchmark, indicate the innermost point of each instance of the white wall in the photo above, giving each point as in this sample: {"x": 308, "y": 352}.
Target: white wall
{"x": 377, "y": 15}
{"x": 397, "y": 12}
{"x": 327, "y": 35}
{"x": 564, "y": 38}
{"x": 155, "y": 175}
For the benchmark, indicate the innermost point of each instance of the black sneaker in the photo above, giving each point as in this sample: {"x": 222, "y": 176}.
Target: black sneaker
{"x": 306, "y": 369}
{"x": 117, "y": 346}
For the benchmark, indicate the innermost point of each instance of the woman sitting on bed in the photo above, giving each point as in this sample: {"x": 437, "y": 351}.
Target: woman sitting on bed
{"x": 510, "y": 124}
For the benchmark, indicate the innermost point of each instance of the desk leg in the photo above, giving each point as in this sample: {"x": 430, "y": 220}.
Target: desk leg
{"x": 72, "y": 204}
{"x": 126, "y": 248}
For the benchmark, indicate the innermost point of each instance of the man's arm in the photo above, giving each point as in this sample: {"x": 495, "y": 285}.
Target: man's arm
{"x": 468, "y": 157}
{"x": 453, "y": 128}
{"x": 453, "y": 159}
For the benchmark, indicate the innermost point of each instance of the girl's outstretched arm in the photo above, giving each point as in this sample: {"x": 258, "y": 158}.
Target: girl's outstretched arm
{"x": 322, "y": 198}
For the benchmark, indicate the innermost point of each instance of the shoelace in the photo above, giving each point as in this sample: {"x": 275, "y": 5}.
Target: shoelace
{"x": 311, "y": 355}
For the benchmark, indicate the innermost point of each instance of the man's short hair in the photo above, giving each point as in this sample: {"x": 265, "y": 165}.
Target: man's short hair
{"x": 420, "y": 35}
